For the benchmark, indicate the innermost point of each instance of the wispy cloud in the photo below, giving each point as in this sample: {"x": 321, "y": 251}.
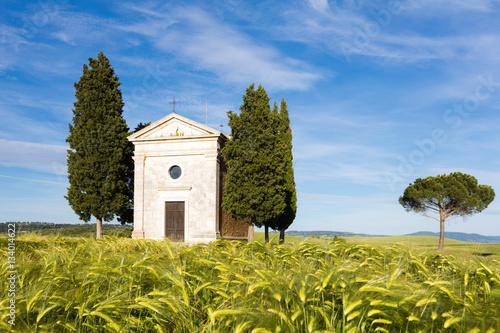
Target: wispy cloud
{"x": 369, "y": 174}
{"x": 76, "y": 28}
{"x": 346, "y": 163}
{"x": 33, "y": 180}
{"x": 448, "y": 7}
{"x": 484, "y": 176}
{"x": 345, "y": 30}
{"x": 230, "y": 54}
{"x": 319, "y": 5}
{"x": 338, "y": 199}
{"x": 35, "y": 156}
{"x": 26, "y": 120}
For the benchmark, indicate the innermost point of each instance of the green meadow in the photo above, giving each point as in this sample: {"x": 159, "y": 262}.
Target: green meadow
{"x": 419, "y": 244}
{"x": 389, "y": 284}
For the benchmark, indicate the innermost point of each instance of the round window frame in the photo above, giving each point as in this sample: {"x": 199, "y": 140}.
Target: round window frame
{"x": 170, "y": 172}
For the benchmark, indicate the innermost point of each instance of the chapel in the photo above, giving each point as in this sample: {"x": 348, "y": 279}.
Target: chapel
{"x": 179, "y": 181}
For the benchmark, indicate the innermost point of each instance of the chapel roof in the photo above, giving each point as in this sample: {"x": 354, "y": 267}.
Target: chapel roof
{"x": 175, "y": 126}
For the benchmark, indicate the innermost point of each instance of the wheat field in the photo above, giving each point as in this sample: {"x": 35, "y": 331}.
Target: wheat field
{"x": 125, "y": 285}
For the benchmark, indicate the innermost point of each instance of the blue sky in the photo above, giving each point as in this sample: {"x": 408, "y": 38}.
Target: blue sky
{"x": 379, "y": 93}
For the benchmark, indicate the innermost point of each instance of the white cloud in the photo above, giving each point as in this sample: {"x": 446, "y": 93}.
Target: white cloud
{"x": 10, "y": 39}
{"x": 355, "y": 164}
{"x": 446, "y": 7}
{"x": 369, "y": 173}
{"x": 339, "y": 199}
{"x": 35, "y": 156}
{"x": 65, "y": 37}
{"x": 319, "y": 5}
{"x": 77, "y": 28}
{"x": 484, "y": 176}
{"x": 233, "y": 56}
{"x": 32, "y": 180}
{"x": 347, "y": 31}
{"x": 151, "y": 27}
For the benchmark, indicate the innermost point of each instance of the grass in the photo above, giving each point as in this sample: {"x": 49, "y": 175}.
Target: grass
{"x": 463, "y": 250}
{"x": 123, "y": 285}
{"x": 418, "y": 244}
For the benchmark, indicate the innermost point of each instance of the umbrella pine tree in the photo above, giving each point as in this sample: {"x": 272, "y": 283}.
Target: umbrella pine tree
{"x": 455, "y": 194}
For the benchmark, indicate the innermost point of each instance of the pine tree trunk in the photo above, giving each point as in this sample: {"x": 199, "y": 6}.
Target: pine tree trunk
{"x": 282, "y": 236}
{"x": 98, "y": 228}
{"x": 266, "y": 228}
{"x": 250, "y": 233}
{"x": 441, "y": 232}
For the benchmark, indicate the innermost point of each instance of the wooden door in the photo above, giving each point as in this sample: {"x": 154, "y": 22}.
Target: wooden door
{"x": 174, "y": 220}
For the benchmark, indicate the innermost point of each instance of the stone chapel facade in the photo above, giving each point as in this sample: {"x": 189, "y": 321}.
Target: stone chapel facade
{"x": 178, "y": 184}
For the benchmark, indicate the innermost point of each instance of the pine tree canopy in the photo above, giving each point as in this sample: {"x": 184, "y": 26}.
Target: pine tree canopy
{"x": 455, "y": 194}
{"x": 99, "y": 162}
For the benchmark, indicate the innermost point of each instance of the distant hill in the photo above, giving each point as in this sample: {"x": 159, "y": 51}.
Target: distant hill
{"x": 76, "y": 229}
{"x": 461, "y": 236}
{"x": 325, "y": 233}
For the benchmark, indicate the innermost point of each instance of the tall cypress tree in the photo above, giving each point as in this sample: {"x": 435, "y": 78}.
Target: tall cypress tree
{"x": 99, "y": 162}
{"x": 127, "y": 214}
{"x": 284, "y": 147}
{"x": 254, "y": 189}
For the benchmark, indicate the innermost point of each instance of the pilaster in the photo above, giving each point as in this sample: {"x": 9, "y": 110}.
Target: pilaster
{"x": 139, "y": 163}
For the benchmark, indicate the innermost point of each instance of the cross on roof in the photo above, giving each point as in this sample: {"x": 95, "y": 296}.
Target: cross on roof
{"x": 174, "y": 102}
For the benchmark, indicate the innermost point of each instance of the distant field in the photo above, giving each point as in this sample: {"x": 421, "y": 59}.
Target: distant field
{"x": 414, "y": 243}
{"x": 429, "y": 244}
{"x": 417, "y": 244}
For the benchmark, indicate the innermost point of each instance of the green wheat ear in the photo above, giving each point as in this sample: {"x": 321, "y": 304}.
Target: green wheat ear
{"x": 126, "y": 285}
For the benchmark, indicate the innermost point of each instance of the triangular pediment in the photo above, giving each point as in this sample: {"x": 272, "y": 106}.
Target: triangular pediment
{"x": 173, "y": 126}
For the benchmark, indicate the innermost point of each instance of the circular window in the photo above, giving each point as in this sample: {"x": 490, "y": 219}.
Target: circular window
{"x": 175, "y": 172}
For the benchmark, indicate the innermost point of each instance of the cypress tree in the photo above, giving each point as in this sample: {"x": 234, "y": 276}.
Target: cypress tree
{"x": 100, "y": 167}
{"x": 284, "y": 146}
{"x": 127, "y": 214}
{"x": 254, "y": 189}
